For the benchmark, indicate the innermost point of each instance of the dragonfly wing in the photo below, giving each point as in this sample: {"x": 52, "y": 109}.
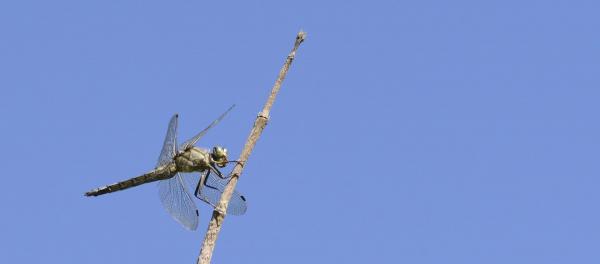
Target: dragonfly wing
{"x": 169, "y": 148}
{"x": 178, "y": 202}
{"x": 197, "y": 137}
{"x": 212, "y": 193}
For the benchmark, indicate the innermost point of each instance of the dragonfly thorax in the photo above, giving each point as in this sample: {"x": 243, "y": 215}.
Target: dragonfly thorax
{"x": 193, "y": 159}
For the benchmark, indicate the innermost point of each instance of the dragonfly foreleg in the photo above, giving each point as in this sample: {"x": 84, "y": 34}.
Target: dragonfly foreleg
{"x": 236, "y": 162}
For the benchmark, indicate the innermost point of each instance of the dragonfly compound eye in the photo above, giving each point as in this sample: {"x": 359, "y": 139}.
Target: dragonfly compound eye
{"x": 219, "y": 155}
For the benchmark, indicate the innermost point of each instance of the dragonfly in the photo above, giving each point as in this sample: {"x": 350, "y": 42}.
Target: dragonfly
{"x": 177, "y": 173}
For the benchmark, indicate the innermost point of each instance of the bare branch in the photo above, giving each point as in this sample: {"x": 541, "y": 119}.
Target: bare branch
{"x": 259, "y": 124}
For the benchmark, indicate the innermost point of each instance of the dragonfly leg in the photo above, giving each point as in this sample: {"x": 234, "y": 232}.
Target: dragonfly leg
{"x": 203, "y": 182}
{"x": 237, "y": 162}
{"x": 198, "y": 194}
{"x": 218, "y": 172}
{"x": 200, "y": 182}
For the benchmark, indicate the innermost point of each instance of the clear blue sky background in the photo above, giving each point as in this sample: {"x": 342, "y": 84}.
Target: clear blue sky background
{"x": 406, "y": 131}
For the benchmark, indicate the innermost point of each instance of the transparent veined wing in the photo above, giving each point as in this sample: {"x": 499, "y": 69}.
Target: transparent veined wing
{"x": 169, "y": 148}
{"x": 178, "y": 202}
{"x": 173, "y": 192}
{"x": 212, "y": 193}
{"x": 197, "y": 137}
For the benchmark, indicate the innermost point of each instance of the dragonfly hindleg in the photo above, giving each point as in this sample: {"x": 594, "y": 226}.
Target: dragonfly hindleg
{"x": 203, "y": 182}
{"x": 198, "y": 192}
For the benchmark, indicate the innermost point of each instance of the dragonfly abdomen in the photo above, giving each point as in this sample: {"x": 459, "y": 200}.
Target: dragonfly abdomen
{"x": 160, "y": 173}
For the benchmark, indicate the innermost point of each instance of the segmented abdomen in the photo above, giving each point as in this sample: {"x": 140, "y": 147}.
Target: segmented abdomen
{"x": 160, "y": 173}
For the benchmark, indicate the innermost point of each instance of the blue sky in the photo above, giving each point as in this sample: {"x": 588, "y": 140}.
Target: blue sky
{"x": 406, "y": 131}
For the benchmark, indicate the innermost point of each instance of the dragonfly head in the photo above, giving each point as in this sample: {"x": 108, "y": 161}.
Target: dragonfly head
{"x": 219, "y": 156}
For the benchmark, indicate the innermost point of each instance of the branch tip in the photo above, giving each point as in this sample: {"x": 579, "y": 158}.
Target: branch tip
{"x": 300, "y": 37}
{"x": 218, "y": 216}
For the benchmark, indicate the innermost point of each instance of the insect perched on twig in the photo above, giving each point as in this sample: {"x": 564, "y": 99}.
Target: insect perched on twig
{"x": 178, "y": 165}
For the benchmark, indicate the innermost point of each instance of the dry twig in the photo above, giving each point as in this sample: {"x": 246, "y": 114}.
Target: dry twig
{"x": 261, "y": 121}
